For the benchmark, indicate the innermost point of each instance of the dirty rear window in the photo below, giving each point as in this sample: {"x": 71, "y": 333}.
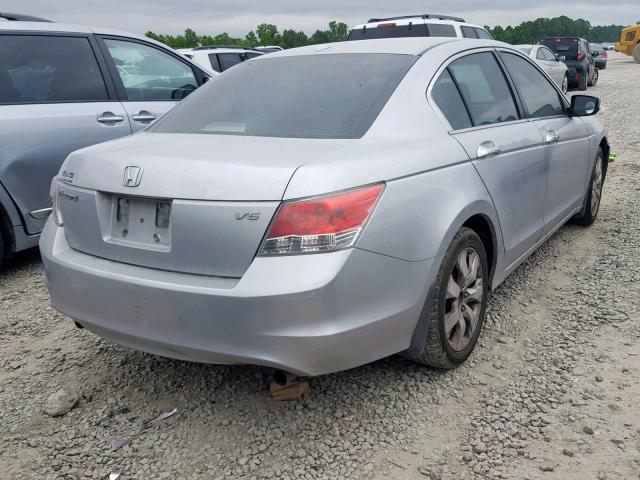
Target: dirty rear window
{"x": 566, "y": 47}
{"x": 310, "y": 96}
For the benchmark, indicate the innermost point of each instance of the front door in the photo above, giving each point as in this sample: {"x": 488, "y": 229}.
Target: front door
{"x": 149, "y": 80}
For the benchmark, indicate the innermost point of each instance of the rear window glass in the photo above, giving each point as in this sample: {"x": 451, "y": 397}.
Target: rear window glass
{"x": 441, "y": 30}
{"x": 368, "y": 33}
{"x": 566, "y": 47}
{"x": 311, "y": 96}
{"x": 43, "y": 69}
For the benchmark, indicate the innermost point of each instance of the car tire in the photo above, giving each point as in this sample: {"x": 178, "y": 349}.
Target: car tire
{"x": 565, "y": 84}
{"x": 636, "y": 53}
{"x": 594, "y": 78}
{"x": 594, "y": 194}
{"x": 582, "y": 84}
{"x": 444, "y": 310}
{"x": 2, "y": 245}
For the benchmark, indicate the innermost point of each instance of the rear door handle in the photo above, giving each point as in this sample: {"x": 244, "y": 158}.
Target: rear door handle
{"x": 109, "y": 118}
{"x": 144, "y": 117}
{"x": 550, "y": 136}
{"x": 488, "y": 149}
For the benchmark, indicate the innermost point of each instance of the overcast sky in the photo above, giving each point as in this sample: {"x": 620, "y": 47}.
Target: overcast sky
{"x": 237, "y": 17}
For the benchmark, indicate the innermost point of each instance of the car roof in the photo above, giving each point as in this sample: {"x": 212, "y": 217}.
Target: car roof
{"x": 55, "y": 27}
{"x": 400, "y": 46}
{"x": 406, "y": 20}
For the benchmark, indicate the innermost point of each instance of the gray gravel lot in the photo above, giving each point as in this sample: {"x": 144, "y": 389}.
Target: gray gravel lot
{"x": 549, "y": 393}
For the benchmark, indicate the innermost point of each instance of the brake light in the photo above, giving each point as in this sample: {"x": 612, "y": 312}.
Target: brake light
{"x": 322, "y": 224}
{"x": 386, "y": 25}
{"x": 581, "y": 54}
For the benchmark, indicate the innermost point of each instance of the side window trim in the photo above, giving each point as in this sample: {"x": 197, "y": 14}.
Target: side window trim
{"x": 522, "y": 117}
{"x": 97, "y": 53}
{"x": 561, "y": 96}
{"x": 113, "y": 71}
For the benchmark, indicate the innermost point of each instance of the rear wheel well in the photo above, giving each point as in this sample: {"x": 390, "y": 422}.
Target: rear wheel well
{"x": 6, "y": 231}
{"x": 483, "y": 228}
{"x": 606, "y": 151}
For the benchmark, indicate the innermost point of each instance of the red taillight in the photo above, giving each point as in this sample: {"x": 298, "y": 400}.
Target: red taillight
{"x": 580, "y": 56}
{"x": 604, "y": 53}
{"x": 386, "y": 25}
{"x": 320, "y": 224}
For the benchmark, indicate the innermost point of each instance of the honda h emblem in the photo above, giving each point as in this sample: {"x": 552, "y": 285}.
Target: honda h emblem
{"x": 132, "y": 176}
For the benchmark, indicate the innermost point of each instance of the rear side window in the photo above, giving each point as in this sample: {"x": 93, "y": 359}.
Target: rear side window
{"x": 468, "y": 32}
{"x": 446, "y": 95}
{"x": 47, "y": 69}
{"x": 540, "y": 98}
{"x": 410, "y": 30}
{"x": 540, "y": 55}
{"x": 482, "y": 33}
{"x": 441, "y": 30}
{"x": 484, "y": 89}
{"x": 228, "y": 60}
{"x": 148, "y": 73}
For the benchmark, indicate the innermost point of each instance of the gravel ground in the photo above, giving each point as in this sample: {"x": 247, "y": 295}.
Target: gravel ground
{"x": 549, "y": 393}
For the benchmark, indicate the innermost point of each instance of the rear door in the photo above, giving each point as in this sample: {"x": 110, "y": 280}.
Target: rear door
{"x": 506, "y": 149}
{"x": 566, "y": 139}
{"x": 149, "y": 80}
{"x": 55, "y": 97}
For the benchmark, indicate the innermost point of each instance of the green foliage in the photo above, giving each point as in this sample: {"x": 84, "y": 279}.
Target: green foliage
{"x": 265, "y": 34}
{"x": 532, "y": 31}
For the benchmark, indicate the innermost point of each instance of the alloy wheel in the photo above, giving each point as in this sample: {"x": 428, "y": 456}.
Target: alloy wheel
{"x": 596, "y": 187}
{"x": 463, "y": 302}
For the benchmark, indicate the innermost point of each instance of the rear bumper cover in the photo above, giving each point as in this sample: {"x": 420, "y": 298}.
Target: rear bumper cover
{"x": 308, "y": 314}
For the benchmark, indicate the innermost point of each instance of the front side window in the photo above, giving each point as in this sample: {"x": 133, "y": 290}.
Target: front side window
{"x": 630, "y": 36}
{"x": 147, "y": 73}
{"x": 447, "y": 97}
{"x": 310, "y": 96}
{"x": 540, "y": 98}
{"x": 48, "y": 69}
{"x": 484, "y": 89}
{"x": 468, "y": 32}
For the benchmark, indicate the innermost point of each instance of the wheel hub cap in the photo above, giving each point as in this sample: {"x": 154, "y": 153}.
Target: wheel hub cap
{"x": 464, "y": 298}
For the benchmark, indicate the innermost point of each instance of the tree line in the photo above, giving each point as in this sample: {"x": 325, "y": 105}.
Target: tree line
{"x": 268, "y": 34}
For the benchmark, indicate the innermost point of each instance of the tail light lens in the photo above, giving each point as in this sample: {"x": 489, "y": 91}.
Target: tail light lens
{"x": 321, "y": 224}
{"x": 54, "y": 193}
{"x": 581, "y": 54}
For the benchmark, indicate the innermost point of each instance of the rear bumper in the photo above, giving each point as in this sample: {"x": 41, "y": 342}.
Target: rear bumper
{"x": 309, "y": 314}
{"x": 576, "y": 72}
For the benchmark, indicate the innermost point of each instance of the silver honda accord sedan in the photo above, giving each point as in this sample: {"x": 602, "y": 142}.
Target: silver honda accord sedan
{"x": 365, "y": 206}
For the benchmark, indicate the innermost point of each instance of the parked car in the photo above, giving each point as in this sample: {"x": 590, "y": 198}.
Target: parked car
{"x": 575, "y": 53}
{"x": 64, "y": 87}
{"x": 365, "y": 207}
{"x": 427, "y": 25}
{"x": 629, "y": 43}
{"x": 217, "y": 59}
{"x": 549, "y": 62}
{"x": 599, "y": 54}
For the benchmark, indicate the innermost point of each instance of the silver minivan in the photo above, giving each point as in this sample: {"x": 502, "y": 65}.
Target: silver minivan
{"x": 64, "y": 87}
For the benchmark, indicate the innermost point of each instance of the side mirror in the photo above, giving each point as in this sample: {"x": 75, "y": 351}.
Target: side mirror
{"x": 584, "y": 105}
{"x": 562, "y": 58}
{"x": 595, "y": 53}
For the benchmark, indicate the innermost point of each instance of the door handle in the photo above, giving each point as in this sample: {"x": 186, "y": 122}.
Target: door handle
{"x": 550, "y": 136}
{"x": 144, "y": 117}
{"x": 488, "y": 149}
{"x": 110, "y": 118}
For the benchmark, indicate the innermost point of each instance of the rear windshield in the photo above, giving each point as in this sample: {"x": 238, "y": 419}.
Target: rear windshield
{"x": 566, "y": 47}
{"x": 396, "y": 31}
{"x": 310, "y": 96}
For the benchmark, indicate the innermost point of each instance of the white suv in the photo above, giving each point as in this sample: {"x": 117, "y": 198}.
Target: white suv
{"x": 427, "y": 25}
{"x": 217, "y": 59}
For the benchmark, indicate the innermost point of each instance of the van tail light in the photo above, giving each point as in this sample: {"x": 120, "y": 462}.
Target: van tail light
{"x": 386, "y": 25}
{"x": 581, "y": 54}
{"x": 320, "y": 224}
{"x": 54, "y": 193}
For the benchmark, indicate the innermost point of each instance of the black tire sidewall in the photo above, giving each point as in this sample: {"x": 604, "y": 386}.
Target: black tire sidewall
{"x": 469, "y": 239}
